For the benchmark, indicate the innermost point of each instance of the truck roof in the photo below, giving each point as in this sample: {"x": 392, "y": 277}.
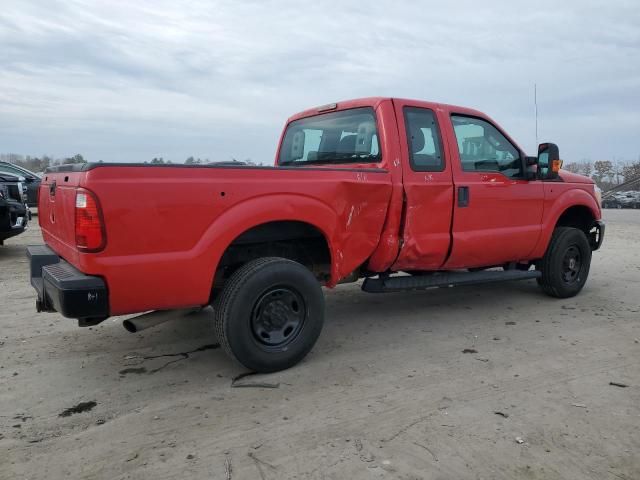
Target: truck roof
{"x": 375, "y": 101}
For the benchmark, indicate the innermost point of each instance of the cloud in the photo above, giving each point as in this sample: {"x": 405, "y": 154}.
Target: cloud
{"x": 128, "y": 81}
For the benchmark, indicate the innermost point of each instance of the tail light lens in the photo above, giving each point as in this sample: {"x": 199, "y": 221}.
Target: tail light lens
{"x": 90, "y": 236}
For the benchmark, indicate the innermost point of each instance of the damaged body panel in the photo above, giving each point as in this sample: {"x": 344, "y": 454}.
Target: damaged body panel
{"x": 179, "y": 240}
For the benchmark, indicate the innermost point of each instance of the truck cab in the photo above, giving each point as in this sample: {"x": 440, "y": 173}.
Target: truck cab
{"x": 465, "y": 195}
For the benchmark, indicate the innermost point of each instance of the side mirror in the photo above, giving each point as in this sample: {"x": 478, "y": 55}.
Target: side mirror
{"x": 549, "y": 162}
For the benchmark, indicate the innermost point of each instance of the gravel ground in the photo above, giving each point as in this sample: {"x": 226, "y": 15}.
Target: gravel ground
{"x": 386, "y": 393}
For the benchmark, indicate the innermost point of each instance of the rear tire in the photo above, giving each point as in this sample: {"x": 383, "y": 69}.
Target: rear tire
{"x": 565, "y": 265}
{"x": 269, "y": 314}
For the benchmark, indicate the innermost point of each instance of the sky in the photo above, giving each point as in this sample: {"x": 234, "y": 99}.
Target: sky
{"x": 129, "y": 81}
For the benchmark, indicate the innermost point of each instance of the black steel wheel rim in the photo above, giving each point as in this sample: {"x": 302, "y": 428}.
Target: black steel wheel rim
{"x": 571, "y": 264}
{"x": 277, "y": 317}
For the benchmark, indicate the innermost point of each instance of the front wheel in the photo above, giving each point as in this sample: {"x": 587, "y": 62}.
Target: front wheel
{"x": 565, "y": 265}
{"x": 269, "y": 314}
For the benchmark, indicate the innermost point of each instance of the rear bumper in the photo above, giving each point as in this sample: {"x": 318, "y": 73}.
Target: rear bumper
{"x": 64, "y": 289}
{"x": 596, "y": 234}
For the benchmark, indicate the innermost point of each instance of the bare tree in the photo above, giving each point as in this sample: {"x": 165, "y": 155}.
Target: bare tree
{"x": 603, "y": 171}
{"x": 573, "y": 167}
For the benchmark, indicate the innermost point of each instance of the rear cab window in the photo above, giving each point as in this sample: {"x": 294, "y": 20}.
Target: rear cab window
{"x": 346, "y": 136}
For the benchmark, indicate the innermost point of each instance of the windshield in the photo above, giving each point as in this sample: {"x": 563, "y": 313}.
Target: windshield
{"x": 348, "y": 136}
{"x": 15, "y": 170}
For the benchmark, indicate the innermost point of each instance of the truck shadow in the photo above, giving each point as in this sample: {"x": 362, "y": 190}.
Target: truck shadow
{"x": 187, "y": 348}
{"x": 493, "y": 299}
{"x": 350, "y": 314}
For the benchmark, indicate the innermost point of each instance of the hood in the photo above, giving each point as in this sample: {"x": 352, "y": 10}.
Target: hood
{"x": 574, "y": 177}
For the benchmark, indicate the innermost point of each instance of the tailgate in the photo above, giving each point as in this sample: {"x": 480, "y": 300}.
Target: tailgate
{"x": 56, "y": 212}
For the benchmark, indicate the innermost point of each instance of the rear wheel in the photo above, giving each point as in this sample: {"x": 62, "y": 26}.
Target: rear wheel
{"x": 269, "y": 314}
{"x": 565, "y": 265}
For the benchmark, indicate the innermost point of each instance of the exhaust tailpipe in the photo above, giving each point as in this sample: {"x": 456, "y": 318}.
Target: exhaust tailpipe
{"x": 151, "y": 319}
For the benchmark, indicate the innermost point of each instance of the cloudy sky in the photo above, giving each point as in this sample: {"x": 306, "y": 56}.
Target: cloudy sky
{"x": 129, "y": 81}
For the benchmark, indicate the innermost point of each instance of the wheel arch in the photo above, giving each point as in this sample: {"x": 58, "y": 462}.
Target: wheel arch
{"x": 576, "y": 216}
{"x": 574, "y": 208}
{"x": 295, "y": 240}
{"x": 271, "y": 223}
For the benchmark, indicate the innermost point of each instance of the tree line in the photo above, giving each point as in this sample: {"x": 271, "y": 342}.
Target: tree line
{"x": 605, "y": 173}
{"x": 40, "y": 164}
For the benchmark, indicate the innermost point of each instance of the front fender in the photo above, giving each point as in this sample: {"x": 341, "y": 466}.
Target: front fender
{"x": 556, "y": 206}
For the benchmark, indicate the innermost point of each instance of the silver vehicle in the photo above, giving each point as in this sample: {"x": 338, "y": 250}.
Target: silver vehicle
{"x": 629, "y": 199}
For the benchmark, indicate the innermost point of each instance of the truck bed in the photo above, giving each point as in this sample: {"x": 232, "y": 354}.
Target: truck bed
{"x": 170, "y": 224}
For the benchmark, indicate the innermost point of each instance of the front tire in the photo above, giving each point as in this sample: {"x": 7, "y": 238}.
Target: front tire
{"x": 269, "y": 314}
{"x": 565, "y": 265}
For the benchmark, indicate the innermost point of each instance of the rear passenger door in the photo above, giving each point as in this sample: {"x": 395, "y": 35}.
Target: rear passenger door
{"x": 498, "y": 212}
{"x": 428, "y": 188}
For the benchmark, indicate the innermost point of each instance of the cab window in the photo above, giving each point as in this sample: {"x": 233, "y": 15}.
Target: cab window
{"x": 347, "y": 136}
{"x": 483, "y": 148}
{"x": 425, "y": 152}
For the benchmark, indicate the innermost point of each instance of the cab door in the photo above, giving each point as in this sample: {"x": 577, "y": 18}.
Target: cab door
{"x": 428, "y": 187}
{"x": 497, "y": 213}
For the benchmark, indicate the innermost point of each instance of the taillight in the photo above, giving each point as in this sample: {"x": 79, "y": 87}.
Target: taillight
{"x": 90, "y": 236}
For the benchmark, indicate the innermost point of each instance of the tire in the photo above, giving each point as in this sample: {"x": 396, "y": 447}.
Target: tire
{"x": 565, "y": 265}
{"x": 269, "y": 314}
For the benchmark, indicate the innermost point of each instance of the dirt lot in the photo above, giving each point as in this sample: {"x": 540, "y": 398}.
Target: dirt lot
{"x": 386, "y": 393}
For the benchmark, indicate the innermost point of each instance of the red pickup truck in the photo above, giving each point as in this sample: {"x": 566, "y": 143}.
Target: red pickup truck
{"x": 405, "y": 194}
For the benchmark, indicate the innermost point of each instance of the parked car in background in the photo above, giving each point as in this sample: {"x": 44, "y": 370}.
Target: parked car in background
{"x": 31, "y": 180}
{"x": 229, "y": 163}
{"x": 611, "y": 201}
{"x": 630, "y": 199}
{"x": 14, "y": 214}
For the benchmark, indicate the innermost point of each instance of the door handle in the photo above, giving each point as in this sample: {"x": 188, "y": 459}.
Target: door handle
{"x": 463, "y": 196}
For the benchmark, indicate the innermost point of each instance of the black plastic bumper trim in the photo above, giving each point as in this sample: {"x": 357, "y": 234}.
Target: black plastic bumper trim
{"x": 63, "y": 288}
{"x": 596, "y": 234}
